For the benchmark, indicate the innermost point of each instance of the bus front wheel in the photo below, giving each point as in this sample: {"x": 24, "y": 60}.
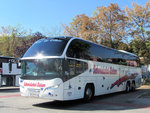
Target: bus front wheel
{"x": 88, "y": 93}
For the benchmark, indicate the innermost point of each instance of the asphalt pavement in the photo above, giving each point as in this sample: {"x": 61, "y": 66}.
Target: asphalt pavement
{"x": 138, "y": 101}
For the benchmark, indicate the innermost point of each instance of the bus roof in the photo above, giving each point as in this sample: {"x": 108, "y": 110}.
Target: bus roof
{"x": 70, "y": 37}
{"x": 128, "y": 53}
{"x": 121, "y": 51}
{"x": 60, "y": 37}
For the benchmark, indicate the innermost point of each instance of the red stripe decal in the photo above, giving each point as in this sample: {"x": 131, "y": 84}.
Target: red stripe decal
{"x": 7, "y": 96}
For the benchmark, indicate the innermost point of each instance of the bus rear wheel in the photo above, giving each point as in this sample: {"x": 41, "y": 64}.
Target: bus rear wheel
{"x": 88, "y": 93}
{"x": 128, "y": 87}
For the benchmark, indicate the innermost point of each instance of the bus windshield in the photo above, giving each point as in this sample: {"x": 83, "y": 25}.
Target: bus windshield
{"x": 47, "y": 47}
{"x": 42, "y": 68}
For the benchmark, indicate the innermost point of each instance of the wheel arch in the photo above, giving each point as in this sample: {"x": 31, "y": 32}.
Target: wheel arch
{"x": 92, "y": 85}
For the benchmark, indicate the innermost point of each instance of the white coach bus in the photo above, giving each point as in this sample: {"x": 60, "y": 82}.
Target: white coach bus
{"x": 68, "y": 68}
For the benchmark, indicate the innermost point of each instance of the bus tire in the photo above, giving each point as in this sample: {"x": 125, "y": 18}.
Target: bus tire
{"x": 127, "y": 87}
{"x": 88, "y": 93}
{"x": 133, "y": 86}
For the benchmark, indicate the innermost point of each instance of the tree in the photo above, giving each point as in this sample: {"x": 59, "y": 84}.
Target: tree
{"x": 10, "y": 39}
{"x": 139, "y": 20}
{"x": 82, "y": 26}
{"x": 53, "y": 31}
{"x": 111, "y": 22}
{"x": 26, "y": 43}
{"x": 106, "y": 25}
{"x": 140, "y": 48}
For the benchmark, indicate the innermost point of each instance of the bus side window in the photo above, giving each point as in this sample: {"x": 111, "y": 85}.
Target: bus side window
{"x": 74, "y": 68}
{"x": 79, "y": 67}
{"x": 131, "y": 63}
{"x": 85, "y": 66}
{"x": 74, "y": 49}
{"x": 71, "y": 64}
{"x": 78, "y": 49}
{"x": 115, "y": 61}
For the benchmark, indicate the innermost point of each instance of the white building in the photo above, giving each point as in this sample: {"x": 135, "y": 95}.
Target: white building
{"x": 10, "y": 71}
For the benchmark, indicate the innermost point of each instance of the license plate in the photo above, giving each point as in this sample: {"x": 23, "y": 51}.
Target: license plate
{"x": 34, "y": 94}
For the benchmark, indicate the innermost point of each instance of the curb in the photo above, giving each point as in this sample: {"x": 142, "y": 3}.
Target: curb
{"x": 8, "y": 88}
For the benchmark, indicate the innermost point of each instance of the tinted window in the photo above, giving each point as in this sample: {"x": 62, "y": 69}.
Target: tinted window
{"x": 0, "y": 64}
{"x": 90, "y": 51}
{"x": 132, "y": 63}
{"x": 79, "y": 67}
{"x": 47, "y": 47}
{"x": 78, "y": 49}
{"x": 74, "y": 67}
{"x": 97, "y": 53}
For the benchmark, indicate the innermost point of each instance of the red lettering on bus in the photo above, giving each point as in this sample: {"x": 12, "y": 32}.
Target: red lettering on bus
{"x": 98, "y": 70}
{"x": 34, "y": 84}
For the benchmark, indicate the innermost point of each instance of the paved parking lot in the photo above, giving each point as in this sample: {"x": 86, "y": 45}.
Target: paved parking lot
{"x": 12, "y": 102}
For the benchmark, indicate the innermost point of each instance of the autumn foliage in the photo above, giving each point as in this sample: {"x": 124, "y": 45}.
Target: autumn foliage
{"x": 127, "y": 29}
{"x": 124, "y": 29}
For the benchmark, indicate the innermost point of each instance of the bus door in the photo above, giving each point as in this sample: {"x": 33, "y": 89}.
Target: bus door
{"x": 77, "y": 70}
{"x": 73, "y": 69}
{"x": 69, "y": 73}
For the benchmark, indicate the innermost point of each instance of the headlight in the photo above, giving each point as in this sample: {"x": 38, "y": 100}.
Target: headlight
{"x": 52, "y": 87}
{"x": 55, "y": 86}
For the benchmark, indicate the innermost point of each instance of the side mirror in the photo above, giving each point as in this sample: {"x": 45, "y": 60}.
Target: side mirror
{"x": 19, "y": 64}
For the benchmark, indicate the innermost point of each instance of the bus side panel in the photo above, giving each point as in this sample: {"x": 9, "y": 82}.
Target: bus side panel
{"x": 69, "y": 87}
{"x": 75, "y": 87}
{"x": 80, "y": 85}
{"x": 105, "y": 78}
{"x": 103, "y": 83}
{"x": 138, "y": 77}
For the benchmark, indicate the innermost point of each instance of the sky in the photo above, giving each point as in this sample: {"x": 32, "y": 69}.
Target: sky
{"x": 46, "y": 15}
